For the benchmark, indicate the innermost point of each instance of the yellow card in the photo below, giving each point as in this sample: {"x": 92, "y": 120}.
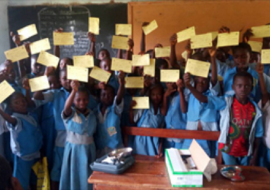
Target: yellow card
{"x": 40, "y": 45}
{"x": 197, "y": 68}
{"x": 39, "y": 83}
{"x": 220, "y": 78}
{"x": 99, "y": 74}
{"x": 119, "y": 42}
{"x": 184, "y": 55}
{"x": 6, "y": 90}
{"x": 48, "y": 59}
{"x": 16, "y": 54}
{"x": 134, "y": 82}
{"x": 255, "y": 46}
{"x": 63, "y": 38}
{"x": 141, "y": 102}
{"x": 228, "y": 39}
{"x": 77, "y": 73}
{"x": 201, "y": 41}
{"x": 150, "y": 27}
{"x": 123, "y": 29}
{"x": 93, "y": 25}
{"x": 261, "y": 31}
{"x": 121, "y": 65}
{"x": 265, "y": 56}
{"x": 186, "y": 34}
{"x": 140, "y": 60}
{"x": 163, "y": 52}
{"x": 214, "y": 35}
{"x": 27, "y": 32}
{"x": 169, "y": 75}
{"x": 150, "y": 69}
{"x": 86, "y": 61}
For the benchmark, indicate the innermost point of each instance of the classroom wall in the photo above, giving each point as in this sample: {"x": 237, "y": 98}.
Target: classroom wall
{"x": 4, "y": 30}
{"x": 205, "y": 15}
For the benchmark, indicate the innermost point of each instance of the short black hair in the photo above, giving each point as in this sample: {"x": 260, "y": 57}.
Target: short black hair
{"x": 242, "y": 45}
{"x": 12, "y": 96}
{"x": 198, "y": 56}
{"x": 83, "y": 89}
{"x": 160, "y": 62}
{"x": 157, "y": 85}
{"x": 5, "y": 175}
{"x": 107, "y": 87}
{"x": 243, "y": 74}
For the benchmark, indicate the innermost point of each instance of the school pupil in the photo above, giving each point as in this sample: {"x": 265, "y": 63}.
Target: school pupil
{"x": 241, "y": 57}
{"x": 151, "y": 118}
{"x": 108, "y": 134}
{"x": 105, "y": 64}
{"x": 80, "y": 150}
{"x": 58, "y": 98}
{"x": 264, "y": 105}
{"x": 199, "y": 117}
{"x": 171, "y": 108}
{"x": 240, "y": 123}
{"x": 25, "y": 135}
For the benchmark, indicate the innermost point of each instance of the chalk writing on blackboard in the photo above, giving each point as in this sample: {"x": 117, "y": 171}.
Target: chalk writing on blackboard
{"x": 71, "y": 19}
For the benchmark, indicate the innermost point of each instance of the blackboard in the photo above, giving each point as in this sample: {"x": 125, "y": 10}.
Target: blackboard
{"x": 72, "y": 19}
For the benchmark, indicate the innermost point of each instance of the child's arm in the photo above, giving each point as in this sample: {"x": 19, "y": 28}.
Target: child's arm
{"x": 143, "y": 39}
{"x": 265, "y": 96}
{"x": 131, "y": 113}
{"x": 173, "y": 58}
{"x": 121, "y": 89}
{"x": 180, "y": 88}
{"x": 57, "y": 48}
{"x": 29, "y": 100}
{"x": 212, "y": 53}
{"x": 198, "y": 96}
{"x": 188, "y": 49}
{"x": 8, "y": 118}
{"x": 119, "y": 54}
{"x": 164, "y": 107}
{"x": 67, "y": 109}
{"x": 92, "y": 39}
{"x": 253, "y": 161}
{"x": 129, "y": 51}
{"x": 146, "y": 87}
{"x": 247, "y": 35}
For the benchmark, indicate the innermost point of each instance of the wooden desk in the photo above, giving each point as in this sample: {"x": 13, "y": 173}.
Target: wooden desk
{"x": 150, "y": 173}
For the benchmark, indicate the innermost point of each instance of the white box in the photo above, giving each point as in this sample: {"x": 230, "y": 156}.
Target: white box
{"x": 179, "y": 174}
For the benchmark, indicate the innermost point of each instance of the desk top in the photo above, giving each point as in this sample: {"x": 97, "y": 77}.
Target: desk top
{"x": 150, "y": 173}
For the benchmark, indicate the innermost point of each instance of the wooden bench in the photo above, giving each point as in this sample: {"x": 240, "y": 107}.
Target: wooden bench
{"x": 172, "y": 133}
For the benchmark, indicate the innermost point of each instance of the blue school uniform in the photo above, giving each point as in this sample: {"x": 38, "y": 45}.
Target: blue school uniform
{"x": 256, "y": 92}
{"x": 108, "y": 134}
{"x": 113, "y": 81}
{"x": 48, "y": 131}
{"x": 224, "y": 105}
{"x": 80, "y": 150}
{"x": 207, "y": 117}
{"x": 266, "y": 69}
{"x": 26, "y": 141}
{"x": 93, "y": 102}
{"x": 222, "y": 68}
{"x": 174, "y": 119}
{"x": 58, "y": 98}
{"x": 146, "y": 118}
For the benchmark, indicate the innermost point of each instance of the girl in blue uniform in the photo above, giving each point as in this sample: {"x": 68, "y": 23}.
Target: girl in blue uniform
{"x": 25, "y": 135}
{"x": 47, "y": 123}
{"x": 80, "y": 150}
{"x": 108, "y": 136}
{"x": 151, "y": 118}
{"x": 199, "y": 118}
{"x": 174, "y": 119}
